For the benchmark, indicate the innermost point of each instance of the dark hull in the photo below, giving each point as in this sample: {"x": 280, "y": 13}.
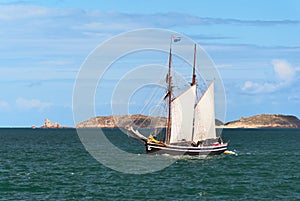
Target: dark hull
{"x": 153, "y": 148}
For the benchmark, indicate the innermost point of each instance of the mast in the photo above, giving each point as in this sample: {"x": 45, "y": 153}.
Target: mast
{"x": 192, "y": 84}
{"x": 194, "y": 68}
{"x": 170, "y": 97}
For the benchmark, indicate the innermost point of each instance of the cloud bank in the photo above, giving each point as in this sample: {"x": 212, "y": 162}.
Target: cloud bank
{"x": 285, "y": 76}
{"x": 114, "y": 20}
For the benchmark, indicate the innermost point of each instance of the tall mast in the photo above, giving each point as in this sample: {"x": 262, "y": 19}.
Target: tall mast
{"x": 192, "y": 84}
{"x": 170, "y": 97}
{"x": 194, "y": 68}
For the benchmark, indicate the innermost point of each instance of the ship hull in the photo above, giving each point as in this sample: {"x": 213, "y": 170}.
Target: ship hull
{"x": 153, "y": 148}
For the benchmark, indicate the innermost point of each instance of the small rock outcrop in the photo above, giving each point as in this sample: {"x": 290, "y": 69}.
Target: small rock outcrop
{"x": 265, "y": 121}
{"x": 49, "y": 124}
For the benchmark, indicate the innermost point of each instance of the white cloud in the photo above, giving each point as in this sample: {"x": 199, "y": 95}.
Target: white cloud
{"x": 284, "y": 70}
{"x": 285, "y": 76}
{"x": 253, "y": 87}
{"x": 32, "y": 104}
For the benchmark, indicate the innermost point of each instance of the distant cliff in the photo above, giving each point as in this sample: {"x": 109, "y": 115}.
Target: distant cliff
{"x": 265, "y": 121}
{"x": 123, "y": 121}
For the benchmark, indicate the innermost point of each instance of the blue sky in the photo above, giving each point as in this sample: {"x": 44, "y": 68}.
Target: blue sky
{"x": 254, "y": 44}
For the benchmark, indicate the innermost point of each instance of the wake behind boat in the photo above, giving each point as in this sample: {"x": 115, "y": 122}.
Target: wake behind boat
{"x": 190, "y": 124}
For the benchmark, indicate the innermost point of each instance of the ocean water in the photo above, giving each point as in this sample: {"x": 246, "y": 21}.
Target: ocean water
{"x": 37, "y": 164}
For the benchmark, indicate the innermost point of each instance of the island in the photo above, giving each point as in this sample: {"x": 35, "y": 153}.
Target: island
{"x": 265, "y": 121}
{"x": 124, "y": 121}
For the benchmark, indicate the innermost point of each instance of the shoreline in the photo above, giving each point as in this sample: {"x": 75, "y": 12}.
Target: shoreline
{"x": 92, "y": 128}
{"x": 261, "y": 121}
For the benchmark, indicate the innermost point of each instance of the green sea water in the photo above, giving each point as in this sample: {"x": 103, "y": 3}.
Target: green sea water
{"x": 52, "y": 164}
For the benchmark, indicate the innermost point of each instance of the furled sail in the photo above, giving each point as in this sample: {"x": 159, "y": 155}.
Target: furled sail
{"x": 182, "y": 116}
{"x": 204, "y": 123}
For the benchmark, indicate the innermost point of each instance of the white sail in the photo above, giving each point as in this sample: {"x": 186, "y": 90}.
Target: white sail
{"x": 204, "y": 125}
{"x": 182, "y": 116}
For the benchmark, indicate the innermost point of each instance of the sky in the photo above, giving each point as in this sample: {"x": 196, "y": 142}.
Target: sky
{"x": 255, "y": 46}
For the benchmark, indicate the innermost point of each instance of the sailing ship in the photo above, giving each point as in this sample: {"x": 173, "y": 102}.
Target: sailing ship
{"x": 190, "y": 123}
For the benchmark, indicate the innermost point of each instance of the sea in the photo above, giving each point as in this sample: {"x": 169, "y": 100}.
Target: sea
{"x": 53, "y": 164}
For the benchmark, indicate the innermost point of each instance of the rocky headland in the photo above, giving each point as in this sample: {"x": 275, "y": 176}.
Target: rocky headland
{"x": 123, "y": 121}
{"x": 265, "y": 121}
